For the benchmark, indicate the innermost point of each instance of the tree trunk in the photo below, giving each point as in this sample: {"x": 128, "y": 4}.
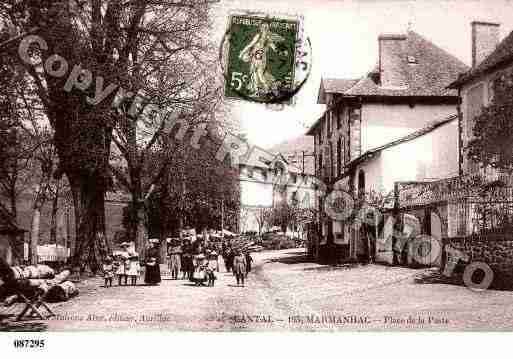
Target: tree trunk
{"x": 137, "y": 229}
{"x": 142, "y": 232}
{"x": 36, "y": 223}
{"x": 14, "y": 208}
{"x": 89, "y": 200}
{"x": 55, "y": 207}
{"x": 34, "y": 234}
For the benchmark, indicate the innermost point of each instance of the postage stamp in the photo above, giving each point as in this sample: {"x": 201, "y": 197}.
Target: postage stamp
{"x": 260, "y": 57}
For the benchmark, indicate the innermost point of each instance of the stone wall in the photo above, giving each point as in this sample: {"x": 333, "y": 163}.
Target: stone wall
{"x": 496, "y": 250}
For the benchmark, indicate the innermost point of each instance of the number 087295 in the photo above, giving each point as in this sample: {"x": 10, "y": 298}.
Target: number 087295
{"x": 29, "y": 343}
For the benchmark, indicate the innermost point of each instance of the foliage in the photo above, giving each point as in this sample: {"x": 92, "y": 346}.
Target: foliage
{"x": 493, "y": 129}
{"x": 263, "y": 218}
{"x": 192, "y": 193}
{"x": 284, "y": 215}
{"x": 130, "y": 45}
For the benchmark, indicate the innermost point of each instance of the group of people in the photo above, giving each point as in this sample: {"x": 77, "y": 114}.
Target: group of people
{"x": 237, "y": 261}
{"x": 199, "y": 261}
{"x": 196, "y": 261}
{"x": 126, "y": 264}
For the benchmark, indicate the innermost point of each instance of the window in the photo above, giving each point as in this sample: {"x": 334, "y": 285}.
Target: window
{"x": 332, "y": 169}
{"x": 343, "y": 158}
{"x": 475, "y": 102}
{"x": 491, "y": 85}
{"x": 339, "y": 156}
{"x": 328, "y": 124}
{"x": 361, "y": 183}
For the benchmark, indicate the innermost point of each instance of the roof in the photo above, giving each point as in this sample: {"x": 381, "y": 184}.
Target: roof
{"x": 428, "y": 78}
{"x": 501, "y": 56}
{"x": 333, "y": 85}
{"x": 433, "y": 71}
{"x": 291, "y": 167}
{"x": 293, "y": 149}
{"x": 416, "y": 134}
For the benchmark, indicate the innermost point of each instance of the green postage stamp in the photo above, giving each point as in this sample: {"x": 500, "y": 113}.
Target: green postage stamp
{"x": 260, "y": 58}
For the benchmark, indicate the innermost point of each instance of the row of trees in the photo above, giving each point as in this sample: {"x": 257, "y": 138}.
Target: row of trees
{"x": 283, "y": 215}
{"x": 147, "y": 53}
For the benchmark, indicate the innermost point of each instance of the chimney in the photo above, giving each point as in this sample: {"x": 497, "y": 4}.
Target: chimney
{"x": 392, "y": 60}
{"x": 485, "y": 37}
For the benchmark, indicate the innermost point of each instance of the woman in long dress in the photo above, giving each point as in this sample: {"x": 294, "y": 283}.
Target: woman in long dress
{"x": 152, "y": 275}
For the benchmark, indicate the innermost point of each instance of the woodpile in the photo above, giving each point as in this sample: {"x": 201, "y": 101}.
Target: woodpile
{"x": 37, "y": 280}
{"x": 39, "y": 271}
{"x": 62, "y": 292}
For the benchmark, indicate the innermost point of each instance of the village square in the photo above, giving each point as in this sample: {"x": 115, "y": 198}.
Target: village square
{"x": 197, "y": 167}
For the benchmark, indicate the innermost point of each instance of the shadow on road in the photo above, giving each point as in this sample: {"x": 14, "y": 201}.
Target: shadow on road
{"x": 302, "y": 258}
{"x": 332, "y": 267}
{"x": 291, "y": 259}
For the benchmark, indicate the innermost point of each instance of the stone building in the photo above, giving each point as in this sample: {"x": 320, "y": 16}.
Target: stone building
{"x": 485, "y": 217}
{"x": 470, "y": 215}
{"x": 264, "y": 187}
{"x": 424, "y": 156}
{"x": 404, "y": 93}
{"x": 491, "y": 61}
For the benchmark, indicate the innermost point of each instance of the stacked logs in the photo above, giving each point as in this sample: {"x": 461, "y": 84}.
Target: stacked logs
{"x": 35, "y": 280}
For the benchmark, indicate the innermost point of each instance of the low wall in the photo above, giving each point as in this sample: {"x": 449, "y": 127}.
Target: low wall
{"x": 496, "y": 250}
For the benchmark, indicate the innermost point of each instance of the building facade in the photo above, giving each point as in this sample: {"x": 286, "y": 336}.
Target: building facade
{"x": 266, "y": 187}
{"x": 404, "y": 93}
{"x": 492, "y": 61}
{"x": 470, "y": 214}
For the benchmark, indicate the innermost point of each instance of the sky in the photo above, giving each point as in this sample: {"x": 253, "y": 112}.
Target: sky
{"x": 344, "y": 36}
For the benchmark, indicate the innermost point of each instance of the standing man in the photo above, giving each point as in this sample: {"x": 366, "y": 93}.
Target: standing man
{"x": 239, "y": 267}
{"x": 248, "y": 262}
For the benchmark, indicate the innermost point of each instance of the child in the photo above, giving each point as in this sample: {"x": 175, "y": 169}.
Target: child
{"x": 121, "y": 264}
{"x": 212, "y": 267}
{"x": 133, "y": 268}
{"x": 108, "y": 271}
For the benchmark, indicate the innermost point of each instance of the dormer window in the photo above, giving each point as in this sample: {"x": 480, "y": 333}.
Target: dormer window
{"x": 412, "y": 59}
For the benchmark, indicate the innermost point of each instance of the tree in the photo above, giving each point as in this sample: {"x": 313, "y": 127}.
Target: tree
{"x": 284, "y": 215}
{"x": 194, "y": 191}
{"x": 263, "y": 218}
{"x": 110, "y": 47}
{"x": 148, "y": 142}
{"x": 14, "y": 154}
{"x": 493, "y": 129}
{"x": 28, "y": 159}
